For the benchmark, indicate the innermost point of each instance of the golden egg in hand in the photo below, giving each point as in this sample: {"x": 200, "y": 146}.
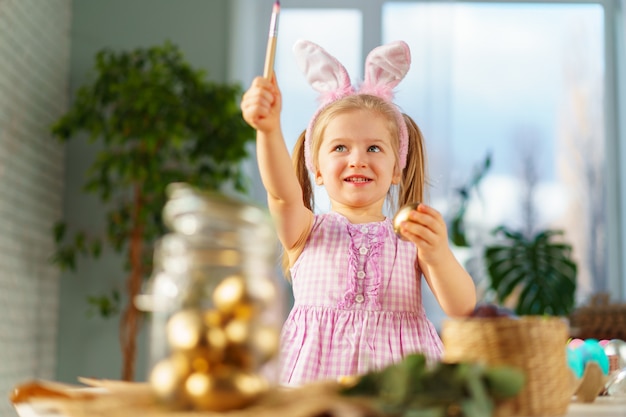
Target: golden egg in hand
{"x": 401, "y": 216}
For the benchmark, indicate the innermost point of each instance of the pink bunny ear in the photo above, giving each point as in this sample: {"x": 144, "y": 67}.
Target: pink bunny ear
{"x": 327, "y": 76}
{"x": 385, "y": 67}
{"x": 322, "y": 71}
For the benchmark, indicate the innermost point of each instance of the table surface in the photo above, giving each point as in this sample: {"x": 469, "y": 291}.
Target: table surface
{"x": 601, "y": 407}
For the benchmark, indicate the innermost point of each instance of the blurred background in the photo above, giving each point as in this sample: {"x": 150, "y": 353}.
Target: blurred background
{"x": 537, "y": 88}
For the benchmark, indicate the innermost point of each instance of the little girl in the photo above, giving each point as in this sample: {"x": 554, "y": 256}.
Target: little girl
{"x": 356, "y": 284}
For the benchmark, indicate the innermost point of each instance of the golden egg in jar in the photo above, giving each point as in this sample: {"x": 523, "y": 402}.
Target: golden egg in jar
{"x": 229, "y": 293}
{"x": 250, "y": 384}
{"x": 184, "y": 329}
{"x": 265, "y": 340}
{"x": 167, "y": 378}
{"x": 264, "y": 291}
{"x": 198, "y": 388}
{"x": 225, "y": 390}
{"x": 216, "y": 338}
{"x": 201, "y": 363}
{"x": 214, "y": 318}
{"x": 237, "y": 331}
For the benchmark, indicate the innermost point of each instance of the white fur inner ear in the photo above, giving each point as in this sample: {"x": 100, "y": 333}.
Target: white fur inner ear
{"x": 322, "y": 71}
{"x": 387, "y": 65}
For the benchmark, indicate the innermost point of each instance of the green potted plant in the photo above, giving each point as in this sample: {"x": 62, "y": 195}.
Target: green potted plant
{"x": 532, "y": 271}
{"x": 537, "y": 271}
{"x": 157, "y": 121}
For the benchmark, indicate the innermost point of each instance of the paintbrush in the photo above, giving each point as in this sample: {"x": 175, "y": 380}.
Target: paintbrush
{"x": 271, "y": 42}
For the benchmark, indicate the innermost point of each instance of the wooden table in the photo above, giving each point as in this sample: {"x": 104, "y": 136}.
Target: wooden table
{"x": 123, "y": 399}
{"x": 602, "y": 407}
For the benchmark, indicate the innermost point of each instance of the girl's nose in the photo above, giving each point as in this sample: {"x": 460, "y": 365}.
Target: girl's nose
{"x": 358, "y": 159}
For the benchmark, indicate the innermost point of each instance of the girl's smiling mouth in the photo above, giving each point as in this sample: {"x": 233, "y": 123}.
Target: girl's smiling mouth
{"x": 357, "y": 179}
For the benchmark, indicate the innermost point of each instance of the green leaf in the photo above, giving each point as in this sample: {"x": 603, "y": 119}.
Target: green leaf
{"x": 64, "y": 258}
{"x": 540, "y": 267}
{"x": 105, "y": 306}
{"x": 96, "y": 249}
{"x": 504, "y": 381}
{"x": 457, "y": 224}
{"x": 59, "y": 230}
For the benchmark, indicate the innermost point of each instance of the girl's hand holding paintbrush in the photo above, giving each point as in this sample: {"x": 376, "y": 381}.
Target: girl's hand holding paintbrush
{"x": 261, "y": 105}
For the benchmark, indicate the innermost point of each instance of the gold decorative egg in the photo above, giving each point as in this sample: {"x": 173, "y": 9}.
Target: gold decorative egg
{"x": 237, "y": 331}
{"x": 216, "y": 338}
{"x": 264, "y": 291}
{"x": 199, "y": 388}
{"x": 184, "y": 329}
{"x": 167, "y": 377}
{"x": 229, "y": 293}
{"x": 227, "y": 389}
{"x": 214, "y": 318}
{"x": 401, "y": 216}
{"x": 265, "y": 341}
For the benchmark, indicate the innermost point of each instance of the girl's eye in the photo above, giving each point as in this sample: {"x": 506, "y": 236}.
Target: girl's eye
{"x": 373, "y": 148}
{"x": 340, "y": 148}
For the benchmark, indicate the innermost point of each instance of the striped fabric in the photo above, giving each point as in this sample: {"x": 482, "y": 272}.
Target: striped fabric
{"x": 358, "y": 304}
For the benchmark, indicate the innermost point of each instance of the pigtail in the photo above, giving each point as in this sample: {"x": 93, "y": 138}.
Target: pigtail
{"x": 302, "y": 172}
{"x": 414, "y": 174}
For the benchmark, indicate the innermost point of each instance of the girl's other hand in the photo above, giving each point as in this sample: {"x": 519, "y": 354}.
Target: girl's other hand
{"x": 426, "y": 228}
{"x": 449, "y": 281}
{"x": 261, "y": 105}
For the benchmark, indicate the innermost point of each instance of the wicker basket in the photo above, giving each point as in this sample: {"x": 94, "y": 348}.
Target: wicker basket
{"x": 534, "y": 344}
{"x": 600, "y": 319}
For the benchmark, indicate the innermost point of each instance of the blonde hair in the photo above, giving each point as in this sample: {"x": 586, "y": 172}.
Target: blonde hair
{"x": 413, "y": 180}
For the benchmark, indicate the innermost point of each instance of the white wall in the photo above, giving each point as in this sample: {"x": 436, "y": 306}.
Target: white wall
{"x": 34, "y": 61}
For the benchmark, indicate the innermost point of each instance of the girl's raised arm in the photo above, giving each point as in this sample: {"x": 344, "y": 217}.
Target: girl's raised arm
{"x": 261, "y": 107}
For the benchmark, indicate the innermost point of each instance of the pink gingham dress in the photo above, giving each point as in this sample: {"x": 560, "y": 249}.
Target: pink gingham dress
{"x": 358, "y": 303}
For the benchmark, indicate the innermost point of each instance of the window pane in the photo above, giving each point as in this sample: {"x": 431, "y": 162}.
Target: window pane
{"x": 299, "y": 99}
{"x": 523, "y": 82}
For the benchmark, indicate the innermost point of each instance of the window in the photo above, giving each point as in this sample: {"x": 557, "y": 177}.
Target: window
{"x": 532, "y": 83}
{"x": 524, "y": 83}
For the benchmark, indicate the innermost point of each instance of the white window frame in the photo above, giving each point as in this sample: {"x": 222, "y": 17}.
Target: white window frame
{"x": 248, "y": 37}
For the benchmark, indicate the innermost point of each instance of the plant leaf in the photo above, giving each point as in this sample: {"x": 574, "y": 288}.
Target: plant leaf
{"x": 540, "y": 267}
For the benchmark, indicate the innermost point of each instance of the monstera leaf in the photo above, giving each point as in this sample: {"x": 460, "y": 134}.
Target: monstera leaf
{"x": 539, "y": 270}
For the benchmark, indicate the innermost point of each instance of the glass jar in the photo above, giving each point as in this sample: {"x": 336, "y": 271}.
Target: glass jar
{"x": 215, "y": 302}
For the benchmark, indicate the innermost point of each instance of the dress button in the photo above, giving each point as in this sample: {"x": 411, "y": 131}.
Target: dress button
{"x": 364, "y": 229}
{"x": 359, "y": 298}
{"x": 362, "y": 250}
{"x": 360, "y": 274}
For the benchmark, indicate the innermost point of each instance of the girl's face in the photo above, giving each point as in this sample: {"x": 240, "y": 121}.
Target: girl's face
{"x": 356, "y": 162}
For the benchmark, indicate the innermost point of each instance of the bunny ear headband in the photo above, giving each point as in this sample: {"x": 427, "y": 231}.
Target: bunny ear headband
{"x": 385, "y": 67}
